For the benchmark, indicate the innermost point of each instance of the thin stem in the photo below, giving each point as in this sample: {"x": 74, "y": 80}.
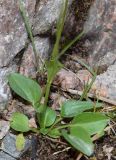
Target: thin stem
{"x": 60, "y": 26}
{"x": 85, "y": 65}
{"x": 70, "y": 44}
{"x": 55, "y": 50}
{"x": 47, "y": 93}
{"x": 35, "y": 130}
{"x": 95, "y": 105}
{"x": 88, "y": 87}
{"x": 57, "y": 121}
{"x": 64, "y": 126}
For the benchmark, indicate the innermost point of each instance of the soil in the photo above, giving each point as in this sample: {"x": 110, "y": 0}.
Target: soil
{"x": 44, "y": 148}
{"x": 104, "y": 146}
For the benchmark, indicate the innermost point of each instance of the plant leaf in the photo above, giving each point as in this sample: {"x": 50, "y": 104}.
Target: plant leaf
{"x": 48, "y": 118}
{"x": 44, "y": 131}
{"x": 19, "y": 122}
{"x": 80, "y": 140}
{"x": 53, "y": 67}
{"x": 67, "y": 46}
{"x": 93, "y": 123}
{"x": 54, "y": 133}
{"x": 20, "y": 142}
{"x": 25, "y": 87}
{"x": 71, "y": 108}
{"x": 60, "y": 25}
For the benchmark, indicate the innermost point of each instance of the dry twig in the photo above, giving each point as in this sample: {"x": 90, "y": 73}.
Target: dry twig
{"x": 76, "y": 92}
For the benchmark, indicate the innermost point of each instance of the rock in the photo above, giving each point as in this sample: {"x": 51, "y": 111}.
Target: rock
{"x": 66, "y": 80}
{"x": 32, "y": 123}
{"x": 5, "y": 94}
{"x": 13, "y": 38}
{"x": 57, "y": 100}
{"x": 43, "y": 47}
{"x": 100, "y": 29}
{"x": 4, "y": 156}
{"x": 8, "y": 146}
{"x": 13, "y": 35}
{"x": 84, "y": 76}
{"x": 105, "y": 83}
{"x": 4, "y": 128}
{"x": 47, "y": 13}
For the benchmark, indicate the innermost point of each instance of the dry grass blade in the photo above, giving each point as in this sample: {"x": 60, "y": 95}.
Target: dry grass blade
{"x": 79, "y": 156}
{"x": 66, "y": 149}
{"x": 28, "y": 28}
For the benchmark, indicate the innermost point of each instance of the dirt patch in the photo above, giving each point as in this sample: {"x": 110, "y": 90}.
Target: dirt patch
{"x": 106, "y": 148}
{"x": 44, "y": 148}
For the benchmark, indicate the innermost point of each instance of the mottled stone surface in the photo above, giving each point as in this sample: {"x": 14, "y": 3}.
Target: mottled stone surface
{"x": 106, "y": 83}
{"x": 101, "y": 32}
{"x": 9, "y": 147}
{"x": 4, "y": 128}
{"x": 5, "y": 94}
{"x": 13, "y": 35}
{"x": 4, "y": 156}
{"x": 66, "y": 80}
{"x": 43, "y": 47}
{"x": 47, "y": 13}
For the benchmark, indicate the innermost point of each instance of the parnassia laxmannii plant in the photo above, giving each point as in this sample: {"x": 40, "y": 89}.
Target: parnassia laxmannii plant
{"x": 82, "y": 125}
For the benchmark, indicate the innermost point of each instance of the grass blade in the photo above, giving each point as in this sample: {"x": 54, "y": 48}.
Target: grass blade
{"x": 29, "y": 31}
{"x": 70, "y": 44}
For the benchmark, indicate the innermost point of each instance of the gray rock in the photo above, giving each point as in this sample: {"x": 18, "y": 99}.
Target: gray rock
{"x": 43, "y": 47}
{"x": 100, "y": 28}
{"x": 13, "y": 35}
{"x": 107, "y": 82}
{"x": 47, "y": 13}
{"x": 8, "y": 146}
{"x": 4, "y": 156}
{"x": 5, "y": 94}
{"x": 4, "y": 128}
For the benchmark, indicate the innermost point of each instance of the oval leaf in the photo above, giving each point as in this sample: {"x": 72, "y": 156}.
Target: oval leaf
{"x": 48, "y": 118}
{"x": 54, "y": 133}
{"x": 71, "y": 108}
{"x": 80, "y": 140}
{"x": 19, "y": 122}
{"x": 25, "y": 87}
{"x": 92, "y": 122}
{"x": 20, "y": 142}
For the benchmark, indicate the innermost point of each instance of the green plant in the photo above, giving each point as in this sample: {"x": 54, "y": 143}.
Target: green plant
{"x": 82, "y": 124}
